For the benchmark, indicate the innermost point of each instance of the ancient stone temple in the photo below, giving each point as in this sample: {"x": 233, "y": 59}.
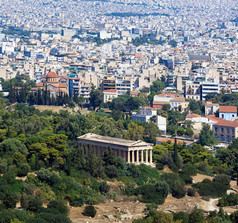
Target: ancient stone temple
{"x": 137, "y": 152}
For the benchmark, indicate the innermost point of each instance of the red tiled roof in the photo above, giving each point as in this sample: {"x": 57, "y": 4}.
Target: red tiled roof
{"x": 51, "y": 75}
{"x": 110, "y": 91}
{"x": 227, "y": 123}
{"x": 148, "y": 107}
{"x": 134, "y": 92}
{"x": 64, "y": 78}
{"x": 193, "y": 115}
{"x": 160, "y": 103}
{"x": 167, "y": 94}
{"x": 228, "y": 109}
{"x": 63, "y": 85}
{"x": 214, "y": 118}
{"x": 40, "y": 84}
{"x": 157, "y": 106}
{"x": 178, "y": 99}
{"x": 167, "y": 140}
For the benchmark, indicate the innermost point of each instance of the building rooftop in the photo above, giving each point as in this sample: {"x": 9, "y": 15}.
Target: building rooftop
{"x": 193, "y": 115}
{"x": 178, "y": 99}
{"x": 110, "y": 91}
{"x": 214, "y": 118}
{"x": 228, "y": 109}
{"x": 51, "y": 75}
{"x": 227, "y": 123}
{"x": 112, "y": 140}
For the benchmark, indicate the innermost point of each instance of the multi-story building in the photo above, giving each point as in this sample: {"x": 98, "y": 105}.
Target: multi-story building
{"x": 209, "y": 87}
{"x": 146, "y": 113}
{"x": 228, "y": 113}
{"x": 226, "y": 131}
{"x": 109, "y": 95}
{"x": 162, "y": 99}
{"x": 210, "y": 108}
{"x": 177, "y": 102}
{"x": 123, "y": 86}
{"x": 192, "y": 90}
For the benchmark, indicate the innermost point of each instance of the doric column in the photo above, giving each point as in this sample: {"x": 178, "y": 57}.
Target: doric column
{"x": 137, "y": 156}
{"x": 142, "y": 156}
{"x": 133, "y": 156}
{"x": 128, "y": 156}
{"x": 146, "y": 156}
{"x": 151, "y": 156}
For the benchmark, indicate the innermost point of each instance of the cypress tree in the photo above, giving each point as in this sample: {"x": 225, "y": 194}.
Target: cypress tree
{"x": 176, "y": 157}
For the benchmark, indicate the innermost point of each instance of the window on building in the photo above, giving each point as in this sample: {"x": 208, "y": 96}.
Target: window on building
{"x": 222, "y": 130}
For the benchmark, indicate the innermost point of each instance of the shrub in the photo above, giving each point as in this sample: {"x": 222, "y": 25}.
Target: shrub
{"x": 104, "y": 187}
{"x": 149, "y": 194}
{"x": 191, "y": 192}
{"x": 159, "y": 166}
{"x": 3, "y": 165}
{"x": 189, "y": 170}
{"x": 228, "y": 200}
{"x": 111, "y": 171}
{"x": 77, "y": 202}
{"x": 53, "y": 217}
{"x": 204, "y": 168}
{"x": 44, "y": 175}
{"x": 222, "y": 179}
{"x": 178, "y": 190}
{"x": 162, "y": 188}
{"x": 206, "y": 181}
{"x": 31, "y": 203}
{"x": 211, "y": 189}
{"x": 234, "y": 217}
{"x": 60, "y": 206}
{"x": 171, "y": 178}
{"x": 90, "y": 211}
{"x": 23, "y": 170}
{"x": 181, "y": 216}
{"x": 196, "y": 216}
{"x": 10, "y": 199}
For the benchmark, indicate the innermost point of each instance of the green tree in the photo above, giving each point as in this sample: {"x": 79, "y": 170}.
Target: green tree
{"x": 189, "y": 132}
{"x": 166, "y": 107}
{"x": 90, "y": 211}
{"x": 175, "y": 154}
{"x": 134, "y": 132}
{"x": 196, "y": 216}
{"x": 151, "y": 131}
{"x": 60, "y": 206}
{"x": 9, "y": 199}
{"x": 180, "y": 131}
{"x": 96, "y": 98}
{"x": 206, "y": 137}
{"x": 162, "y": 217}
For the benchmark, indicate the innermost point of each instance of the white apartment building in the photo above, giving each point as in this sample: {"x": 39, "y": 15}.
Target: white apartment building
{"x": 146, "y": 113}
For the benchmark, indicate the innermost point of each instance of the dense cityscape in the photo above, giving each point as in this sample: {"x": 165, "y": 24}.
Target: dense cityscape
{"x": 119, "y": 111}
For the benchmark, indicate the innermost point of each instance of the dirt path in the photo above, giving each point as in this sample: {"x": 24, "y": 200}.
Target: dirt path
{"x": 110, "y": 212}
